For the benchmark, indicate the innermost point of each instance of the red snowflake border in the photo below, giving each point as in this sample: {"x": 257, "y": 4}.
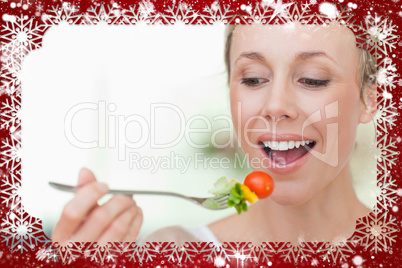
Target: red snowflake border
{"x": 21, "y": 232}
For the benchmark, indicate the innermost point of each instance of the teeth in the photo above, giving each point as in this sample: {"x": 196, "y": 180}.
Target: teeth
{"x": 274, "y": 145}
{"x": 285, "y": 145}
{"x": 291, "y": 144}
{"x": 297, "y": 144}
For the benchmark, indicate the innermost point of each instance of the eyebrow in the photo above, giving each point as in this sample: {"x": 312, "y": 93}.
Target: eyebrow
{"x": 251, "y": 56}
{"x": 299, "y": 56}
{"x": 308, "y": 55}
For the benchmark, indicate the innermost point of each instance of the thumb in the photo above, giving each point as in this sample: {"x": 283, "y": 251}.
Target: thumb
{"x": 85, "y": 176}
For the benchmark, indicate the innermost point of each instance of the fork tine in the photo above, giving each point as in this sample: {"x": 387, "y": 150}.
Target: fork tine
{"x": 222, "y": 201}
{"x": 221, "y": 197}
{"x": 222, "y": 205}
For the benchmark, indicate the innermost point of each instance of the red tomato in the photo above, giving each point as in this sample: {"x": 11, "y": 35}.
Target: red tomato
{"x": 260, "y": 183}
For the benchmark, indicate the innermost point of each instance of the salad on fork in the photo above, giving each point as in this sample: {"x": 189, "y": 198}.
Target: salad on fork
{"x": 257, "y": 185}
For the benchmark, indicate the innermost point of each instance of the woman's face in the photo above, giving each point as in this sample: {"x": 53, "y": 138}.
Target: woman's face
{"x": 290, "y": 84}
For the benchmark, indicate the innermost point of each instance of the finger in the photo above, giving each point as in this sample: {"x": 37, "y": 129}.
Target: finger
{"x": 135, "y": 227}
{"x": 75, "y": 211}
{"x": 118, "y": 229}
{"x": 100, "y": 218}
{"x": 85, "y": 176}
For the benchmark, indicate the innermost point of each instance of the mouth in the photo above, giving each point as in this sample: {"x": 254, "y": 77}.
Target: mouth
{"x": 285, "y": 152}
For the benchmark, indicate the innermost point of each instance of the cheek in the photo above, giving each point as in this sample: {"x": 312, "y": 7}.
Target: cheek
{"x": 336, "y": 125}
{"x": 349, "y": 113}
{"x": 248, "y": 121}
{"x": 234, "y": 105}
{"x": 243, "y": 108}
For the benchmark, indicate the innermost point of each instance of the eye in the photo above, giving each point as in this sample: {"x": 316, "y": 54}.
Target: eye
{"x": 253, "y": 81}
{"x": 308, "y": 82}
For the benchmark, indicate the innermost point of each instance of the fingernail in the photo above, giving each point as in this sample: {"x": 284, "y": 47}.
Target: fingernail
{"x": 101, "y": 186}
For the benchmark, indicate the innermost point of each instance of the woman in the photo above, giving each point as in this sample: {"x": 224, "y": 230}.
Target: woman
{"x": 289, "y": 84}
{"x": 284, "y": 76}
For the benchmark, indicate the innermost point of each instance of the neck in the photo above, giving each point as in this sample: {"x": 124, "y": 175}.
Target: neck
{"x": 330, "y": 215}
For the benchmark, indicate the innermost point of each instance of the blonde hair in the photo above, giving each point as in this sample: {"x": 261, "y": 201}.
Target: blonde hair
{"x": 367, "y": 64}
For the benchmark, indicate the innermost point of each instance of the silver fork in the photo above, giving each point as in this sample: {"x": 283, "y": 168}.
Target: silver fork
{"x": 214, "y": 203}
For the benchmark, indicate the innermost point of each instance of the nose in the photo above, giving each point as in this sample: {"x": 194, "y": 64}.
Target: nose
{"x": 280, "y": 101}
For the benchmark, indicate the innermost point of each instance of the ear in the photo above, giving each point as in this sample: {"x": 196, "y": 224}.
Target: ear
{"x": 369, "y": 109}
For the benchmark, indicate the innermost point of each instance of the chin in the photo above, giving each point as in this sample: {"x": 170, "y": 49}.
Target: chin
{"x": 289, "y": 197}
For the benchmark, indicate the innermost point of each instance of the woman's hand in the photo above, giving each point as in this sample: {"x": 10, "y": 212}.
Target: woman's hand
{"x": 83, "y": 220}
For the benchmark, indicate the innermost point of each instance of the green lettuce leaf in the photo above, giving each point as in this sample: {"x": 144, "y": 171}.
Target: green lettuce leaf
{"x": 222, "y": 187}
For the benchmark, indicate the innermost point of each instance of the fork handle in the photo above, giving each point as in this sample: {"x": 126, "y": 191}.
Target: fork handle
{"x": 72, "y": 189}
{"x": 129, "y": 192}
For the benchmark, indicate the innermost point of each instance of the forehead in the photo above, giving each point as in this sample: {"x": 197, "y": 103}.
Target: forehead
{"x": 279, "y": 40}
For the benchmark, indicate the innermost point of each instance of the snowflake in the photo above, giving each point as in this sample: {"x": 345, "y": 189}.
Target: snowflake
{"x": 338, "y": 250}
{"x": 39, "y": 9}
{"x": 304, "y": 16}
{"x": 21, "y": 231}
{"x": 216, "y": 13}
{"x": 313, "y": 2}
{"x": 101, "y": 14}
{"x": 20, "y": 36}
{"x": 386, "y": 191}
{"x": 388, "y": 156}
{"x": 142, "y": 14}
{"x": 242, "y": 252}
{"x": 314, "y": 262}
{"x": 399, "y": 82}
{"x": 306, "y": 6}
{"x": 179, "y": 253}
{"x": 68, "y": 253}
{"x": 376, "y": 231}
{"x": 296, "y": 252}
{"x": 282, "y": 13}
{"x": 345, "y": 17}
{"x": 43, "y": 254}
{"x": 183, "y": 13}
{"x": 101, "y": 253}
{"x": 210, "y": 252}
{"x": 10, "y": 185}
{"x": 23, "y": 35}
{"x": 285, "y": 13}
{"x": 9, "y": 87}
{"x": 10, "y": 152}
{"x": 57, "y": 16}
{"x": 9, "y": 117}
{"x": 219, "y": 262}
{"x": 387, "y": 114}
{"x": 143, "y": 253}
{"x": 259, "y": 14}
{"x": 379, "y": 34}
{"x": 386, "y": 74}
{"x": 146, "y": 9}
{"x": 280, "y": 10}
{"x": 262, "y": 253}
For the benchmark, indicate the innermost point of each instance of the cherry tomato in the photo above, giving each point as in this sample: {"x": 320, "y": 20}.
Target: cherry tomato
{"x": 260, "y": 183}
